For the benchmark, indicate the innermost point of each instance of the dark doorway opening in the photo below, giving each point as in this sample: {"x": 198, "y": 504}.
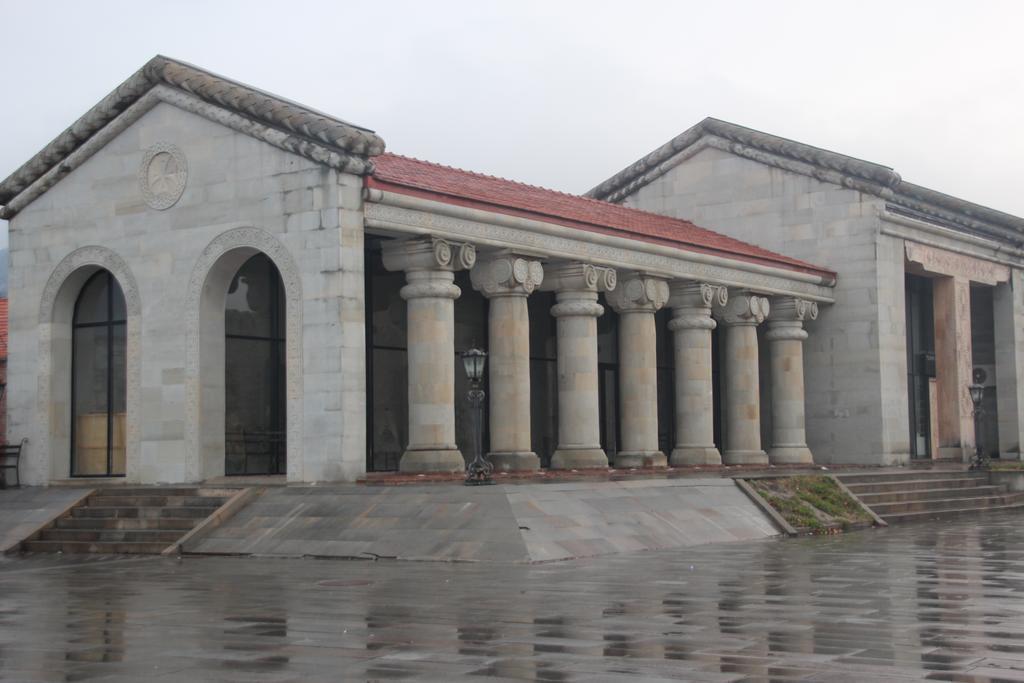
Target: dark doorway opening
{"x": 98, "y": 379}
{"x": 255, "y": 404}
{"x": 921, "y": 388}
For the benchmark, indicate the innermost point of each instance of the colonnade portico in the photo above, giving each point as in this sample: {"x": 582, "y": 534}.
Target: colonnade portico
{"x": 506, "y": 279}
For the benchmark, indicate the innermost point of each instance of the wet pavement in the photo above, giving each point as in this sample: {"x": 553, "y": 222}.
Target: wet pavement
{"x": 940, "y": 601}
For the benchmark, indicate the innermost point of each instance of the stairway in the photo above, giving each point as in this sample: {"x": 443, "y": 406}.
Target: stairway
{"x": 128, "y": 521}
{"x": 912, "y": 495}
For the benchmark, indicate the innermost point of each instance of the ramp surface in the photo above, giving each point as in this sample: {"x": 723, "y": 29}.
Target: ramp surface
{"x": 502, "y": 523}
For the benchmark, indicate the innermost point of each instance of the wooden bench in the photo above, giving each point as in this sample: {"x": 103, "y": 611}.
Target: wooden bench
{"x": 10, "y": 457}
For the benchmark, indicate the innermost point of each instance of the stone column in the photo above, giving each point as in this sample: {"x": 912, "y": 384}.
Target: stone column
{"x": 741, "y": 316}
{"x": 951, "y": 297}
{"x": 1008, "y": 310}
{"x": 579, "y": 431}
{"x": 429, "y": 266}
{"x": 786, "y": 336}
{"x": 506, "y": 280}
{"x": 691, "y": 326}
{"x": 636, "y": 299}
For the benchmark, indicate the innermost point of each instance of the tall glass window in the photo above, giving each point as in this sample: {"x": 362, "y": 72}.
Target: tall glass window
{"x": 254, "y": 381}
{"x": 99, "y": 383}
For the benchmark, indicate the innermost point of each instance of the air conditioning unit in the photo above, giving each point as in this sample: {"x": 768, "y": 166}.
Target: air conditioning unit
{"x": 984, "y": 375}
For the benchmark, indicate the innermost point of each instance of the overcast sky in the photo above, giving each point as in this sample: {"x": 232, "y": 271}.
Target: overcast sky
{"x": 565, "y": 94}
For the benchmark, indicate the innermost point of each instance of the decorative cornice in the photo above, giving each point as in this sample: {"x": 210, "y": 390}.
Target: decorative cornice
{"x": 299, "y": 124}
{"x": 554, "y": 242}
{"x": 506, "y": 275}
{"x": 821, "y": 164}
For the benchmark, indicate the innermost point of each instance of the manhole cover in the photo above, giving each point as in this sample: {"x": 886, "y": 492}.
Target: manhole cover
{"x": 344, "y": 583}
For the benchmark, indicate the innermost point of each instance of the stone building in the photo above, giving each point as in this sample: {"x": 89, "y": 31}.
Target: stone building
{"x": 3, "y": 370}
{"x": 207, "y": 279}
{"x": 929, "y": 296}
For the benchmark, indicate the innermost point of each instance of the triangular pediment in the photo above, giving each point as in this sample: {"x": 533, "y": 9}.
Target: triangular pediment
{"x": 824, "y": 165}
{"x": 274, "y": 119}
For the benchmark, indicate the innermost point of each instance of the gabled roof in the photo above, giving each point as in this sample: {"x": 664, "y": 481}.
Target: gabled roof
{"x": 797, "y": 157}
{"x": 302, "y": 127}
{"x": 451, "y": 185}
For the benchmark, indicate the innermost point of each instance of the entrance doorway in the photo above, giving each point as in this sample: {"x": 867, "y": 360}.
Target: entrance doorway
{"x": 254, "y": 371}
{"x": 98, "y": 379}
{"x": 921, "y": 387}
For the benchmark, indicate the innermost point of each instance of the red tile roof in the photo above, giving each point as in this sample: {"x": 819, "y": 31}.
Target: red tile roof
{"x": 3, "y": 329}
{"x": 455, "y": 186}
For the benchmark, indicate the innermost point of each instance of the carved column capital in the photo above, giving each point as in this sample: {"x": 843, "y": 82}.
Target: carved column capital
{"x": 506, "y": 275}
{"x": 791, "y": 309}
{"x": 578, "y": 277}
{"x": 687, "y": 294}
{"x": 638, "y": 293}
{"x": 691, "y": 304}
{"x": 428, "y": 253}
{"x": 744, "y": 308}
{"x": 787, "y": 318}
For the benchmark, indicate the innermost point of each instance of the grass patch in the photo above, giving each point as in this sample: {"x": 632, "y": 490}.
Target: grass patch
{"x": 812, "y": 503}
{"x": 1006, "y": 465}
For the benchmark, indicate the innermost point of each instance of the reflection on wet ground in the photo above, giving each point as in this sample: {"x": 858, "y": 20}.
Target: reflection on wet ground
{"x": 941, "y": 601}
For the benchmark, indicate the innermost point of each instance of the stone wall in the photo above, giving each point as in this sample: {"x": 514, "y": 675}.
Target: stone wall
{"x": 855, "y": 355}
{"x": 240, "y": 194}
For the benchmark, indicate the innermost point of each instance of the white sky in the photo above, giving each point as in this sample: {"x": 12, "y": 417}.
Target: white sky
{"x": 564, "y": 94}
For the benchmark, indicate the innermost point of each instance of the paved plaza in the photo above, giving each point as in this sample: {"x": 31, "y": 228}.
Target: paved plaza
{"x": 940, "y": 601}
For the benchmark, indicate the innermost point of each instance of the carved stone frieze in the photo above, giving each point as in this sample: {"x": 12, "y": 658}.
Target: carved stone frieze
{"x": 569, "y": 247}
{"x": 950, "y": 263}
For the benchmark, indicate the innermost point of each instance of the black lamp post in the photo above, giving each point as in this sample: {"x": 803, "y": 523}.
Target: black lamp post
{"x": 980, "y": 459}
{"x": 479, "y": 470}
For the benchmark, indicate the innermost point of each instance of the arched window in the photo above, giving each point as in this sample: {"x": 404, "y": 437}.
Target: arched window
{"x": 254, "y": 378}
{"x": 98, "y": 379}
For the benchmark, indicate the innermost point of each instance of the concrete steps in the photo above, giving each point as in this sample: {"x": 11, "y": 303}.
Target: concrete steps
{"x": 128, "y": 521}
{"x": 905, "y": 496}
